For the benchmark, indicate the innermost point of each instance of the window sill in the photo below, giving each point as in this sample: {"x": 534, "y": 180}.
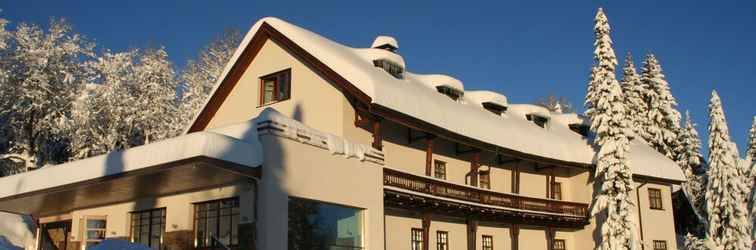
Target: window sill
{"x": 271, "y": 103}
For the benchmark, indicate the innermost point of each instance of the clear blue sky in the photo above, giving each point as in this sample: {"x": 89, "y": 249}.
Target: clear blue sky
{"x": 523, "y": 49}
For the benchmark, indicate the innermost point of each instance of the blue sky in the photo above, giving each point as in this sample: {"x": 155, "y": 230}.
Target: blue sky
{"x": 524, "y": 49}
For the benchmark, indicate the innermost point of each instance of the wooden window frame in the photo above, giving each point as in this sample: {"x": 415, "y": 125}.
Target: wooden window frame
{"x": 442, "y": 245}
{"x": 556, "y": 190}
{"x": 437, "y": 164}
{"x": 484, "y": 179}
{"x": 150, "y": 223}
{"x": 660, "y": 245}
{"x": 195, "y": 219}
{"x": 413, "y": 239}
{"x": 655, "y": 200}
{"x": 276, "y": 87}
{"x": 557, "y": 243}
{"x": 483, "y": 242}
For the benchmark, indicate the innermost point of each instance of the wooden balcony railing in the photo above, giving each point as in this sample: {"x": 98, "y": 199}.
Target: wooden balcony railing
{"x": 439, "y": 188}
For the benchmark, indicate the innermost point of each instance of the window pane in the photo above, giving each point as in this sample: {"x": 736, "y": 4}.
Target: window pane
{"x": 96, "y": 224}
{"x": 269, "y": 88}
{"x": 314, "y": 225}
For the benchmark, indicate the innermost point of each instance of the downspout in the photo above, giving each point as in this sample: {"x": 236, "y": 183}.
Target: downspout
{"x": 640, "y": 215}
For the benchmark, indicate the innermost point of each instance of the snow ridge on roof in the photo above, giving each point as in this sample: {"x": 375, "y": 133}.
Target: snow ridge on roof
{"x": 484, "y": 96}
{"x": 411, "y": 96}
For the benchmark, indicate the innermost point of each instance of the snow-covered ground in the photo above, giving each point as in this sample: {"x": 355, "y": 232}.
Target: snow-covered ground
{"x": 16, "y": 232}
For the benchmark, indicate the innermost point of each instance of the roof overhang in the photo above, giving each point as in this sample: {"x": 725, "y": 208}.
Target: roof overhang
{"x": 182, "y": 164}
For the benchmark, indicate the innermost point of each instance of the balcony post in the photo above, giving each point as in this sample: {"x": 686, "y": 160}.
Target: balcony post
{"x": 516, "y": 179}
{"x": 550, "y": 234}
{"x": 474, "y": 165}
{"x": 472, "y": 233}
{"x": 377, "y": 135}
{"x": 426, "y": 230}
{"x": 429, "y": 154}
{"x": 514, "y": 233}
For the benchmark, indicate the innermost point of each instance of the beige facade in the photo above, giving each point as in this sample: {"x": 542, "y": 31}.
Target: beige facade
{"x": 520, "y": 205}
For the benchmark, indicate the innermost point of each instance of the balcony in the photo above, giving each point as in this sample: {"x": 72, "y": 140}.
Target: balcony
{"x": 404, "y": 190}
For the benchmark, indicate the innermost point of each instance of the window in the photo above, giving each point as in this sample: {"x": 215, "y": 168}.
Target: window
{"x": 439, "y": 169}
{"x": 442, "y": 240}
{"x": 485, "y": 179}
{"x": 557, "y": 189}
{"x": 392, "y": 68}
{"x": 559, "y": 244}
{"x": 494, "y": 108}
{"x": 660, "y": 245}
{"x": 275, "y": 87}
{"x": 538, "y": 120}
{"x": 580, "y": 129}
{"x": 148, "y": 227}
{"x": 452, "y": 93}
{"x": 316, "y": 225}
{"x": 655, "y": 198}
{"x": 417, "y": 239}
{"x": 487, "y": 242}
{"x": 216, "y": 222}
{"x": 95, "y": 230}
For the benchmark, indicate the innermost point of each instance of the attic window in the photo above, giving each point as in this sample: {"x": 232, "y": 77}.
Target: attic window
{"x": 452, "y": 93}
{"x": 537, "y": 119}
{"x": 494, "y": 108}
{"x": 581, "y": 129}
{"x": 390, "y": 67}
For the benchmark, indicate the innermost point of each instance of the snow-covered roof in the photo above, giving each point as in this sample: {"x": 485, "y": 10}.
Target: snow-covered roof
{"x": 410, "y": 96}
{"x": 241, "y": 150}
{"x": 385, "y": 40}
{"x": 435, "y": 80}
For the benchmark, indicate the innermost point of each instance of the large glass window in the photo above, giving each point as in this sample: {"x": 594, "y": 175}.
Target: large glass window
{"x": 315, "y": 225}
{"x": 216, "y": 223}
{"x": 148, "y": 227}
{"x": 417, "y": 239}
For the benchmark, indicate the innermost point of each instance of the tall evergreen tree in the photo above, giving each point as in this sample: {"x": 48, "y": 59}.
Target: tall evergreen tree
{"x": 606, "y": 110}
{"x": 633, "y": 95}
{"x": 725, "y": 204}
{"x": 751, "y": 151}
{"x": 689, "y": 159}
{"x": 662, "y": 118}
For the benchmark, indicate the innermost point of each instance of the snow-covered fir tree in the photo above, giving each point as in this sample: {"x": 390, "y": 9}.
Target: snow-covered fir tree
{"x": 606, "y": 110}
{"x": 728, "y": 222}
{"x": 201, "y": 75}
{"x": 45, "y": 69}
{"x": 689, "y": 159}
{"x": 662, "y": 120}
{"x": 751, "y": 149}
{"x": 633, "y": 92}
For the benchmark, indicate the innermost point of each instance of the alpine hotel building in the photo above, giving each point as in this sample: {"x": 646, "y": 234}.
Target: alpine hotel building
{"x": 306, "y": 143}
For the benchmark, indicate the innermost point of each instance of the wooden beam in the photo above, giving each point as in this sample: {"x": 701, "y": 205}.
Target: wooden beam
{"x": 426, "y": 220}
{"x": 412, "y": 138}
{"x": 459, "y": 150}
{"x": 501, "y": 161}
{"x": 550, "y": 233}
{"x": 377, "y": 135}
{"x": 428, "y": 155}
{"x": 472, "y": 233}
{"x": 514, "y": 234}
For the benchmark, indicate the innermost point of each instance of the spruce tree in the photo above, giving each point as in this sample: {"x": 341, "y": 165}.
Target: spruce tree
{"x": 633, "y": 93}
{"x": 689, "y": 159}
{"x": 662, "y": 120}
{"x": 725, "y": 204}
{"x": 751, "y": 151}
{"x": 606, "y": 110}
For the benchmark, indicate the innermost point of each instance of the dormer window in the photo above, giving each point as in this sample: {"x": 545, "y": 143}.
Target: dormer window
{"x": 581, "y": 129}
{"x": 452, "y": 93}
{"x": 494, "y": 108}
{"x": 392, "y": 68}
{"x": 537, "y": 119}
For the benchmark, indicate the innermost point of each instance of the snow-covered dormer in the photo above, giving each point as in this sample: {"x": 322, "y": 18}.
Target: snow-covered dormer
{"x": 387, "y": 60}
{"x": 494, "y": 102}
{"x": 386, "y": 43}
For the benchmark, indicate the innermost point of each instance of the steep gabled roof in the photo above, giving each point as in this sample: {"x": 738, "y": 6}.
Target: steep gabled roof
{"x": 410, "y": 100}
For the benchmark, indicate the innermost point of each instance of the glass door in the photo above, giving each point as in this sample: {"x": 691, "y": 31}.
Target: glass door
{"x": 54, "y": 235}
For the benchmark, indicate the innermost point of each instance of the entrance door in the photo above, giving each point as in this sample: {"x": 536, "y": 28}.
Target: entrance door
{"x": 54, "y": 235}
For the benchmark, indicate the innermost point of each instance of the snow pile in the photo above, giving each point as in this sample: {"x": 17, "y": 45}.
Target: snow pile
{"x": 385, "y": 40}
{"x": 112, "y": 244}
{"x": 16, "y": 232}
{"x": 338, "y": 145}
{"x": 433, "y": 81}
{"x": 485, "y": 96}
